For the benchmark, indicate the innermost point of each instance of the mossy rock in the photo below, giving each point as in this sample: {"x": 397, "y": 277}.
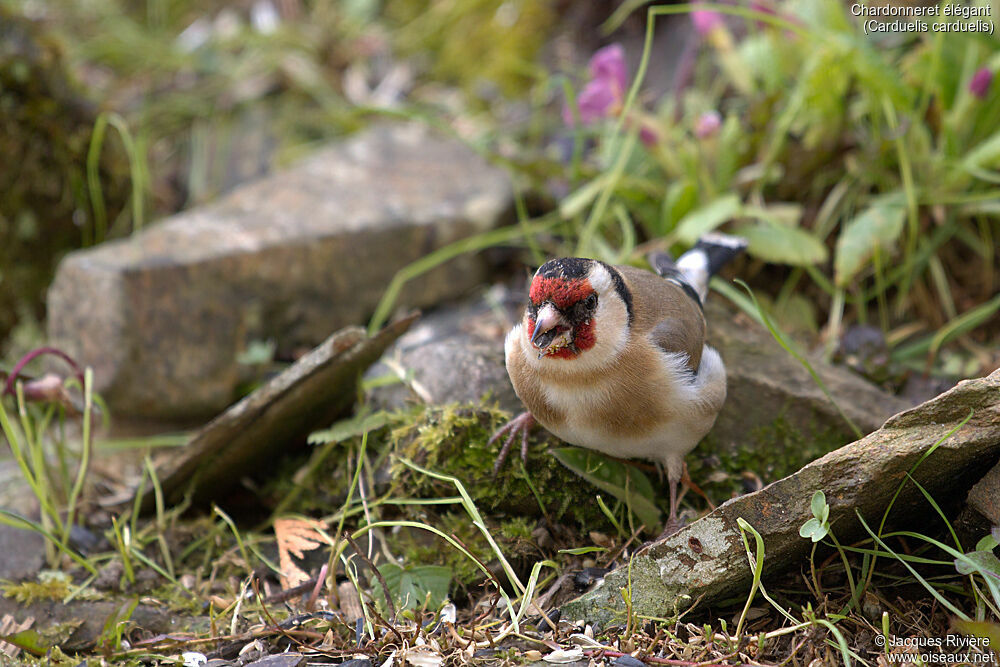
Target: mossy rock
{"x": 45, "y": 209}
{"x": 453, "y": 440}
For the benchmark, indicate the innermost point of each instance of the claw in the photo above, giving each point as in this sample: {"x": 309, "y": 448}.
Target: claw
{"x": 521, "y": 423}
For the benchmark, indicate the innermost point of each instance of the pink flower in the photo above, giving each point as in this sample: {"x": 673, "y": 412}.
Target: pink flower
{"x": 648, "y": 136}
{"x": 705, "y": 20}
{"x": 708, "y": 124}
{"x": 604, "y": 93}
{"x": 603, "y": 96}
{"x": 608, "y": 65}
{"x": 980, "y": 83}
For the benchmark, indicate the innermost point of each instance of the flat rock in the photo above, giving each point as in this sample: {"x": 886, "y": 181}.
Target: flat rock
{"x": 274, "y": 419}
{"x": 163, "y": 315}
{"x": 984, "y": 497}
{"x": 453, "y": 355}
{"x": 22, "y": 551}
{"x": 706, "y": 559}
{"x": 79, "y": 624}
{"x": 767, "y": 385}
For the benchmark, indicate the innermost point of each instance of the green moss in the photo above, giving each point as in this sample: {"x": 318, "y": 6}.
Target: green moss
{"x": 454, "y": 440}
{"x": 51, "y": 585}
{"x": 774, "y": 451}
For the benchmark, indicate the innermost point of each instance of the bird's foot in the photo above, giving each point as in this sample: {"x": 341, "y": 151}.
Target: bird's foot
{"x": 673, "y": 526}
{"x": 522, "y": 424}
{"x": 688, "y": 484}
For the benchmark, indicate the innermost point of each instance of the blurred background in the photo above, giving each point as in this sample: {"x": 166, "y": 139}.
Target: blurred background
{"x": 862, "y": 167}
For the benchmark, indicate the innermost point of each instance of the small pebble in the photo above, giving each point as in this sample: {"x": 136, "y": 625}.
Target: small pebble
{"x": 357, "y": 662}
{"x": 628, "y": 661}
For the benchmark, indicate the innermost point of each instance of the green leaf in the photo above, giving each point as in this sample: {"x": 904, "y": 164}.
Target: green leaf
{"x": 988, "y": 543}
{"x": 986, "y": 564}
{"x": 818, "y": 504}
{"x": 680, "y": 199}
{"x": 788, "y": 214}
{"x": 579, "y": 551}
{"x": 412, "y": 586}
{"x": 780, "y": 244}
{"x": 706, "y": 218}
{"x": 813, "y": 529}
{"x": 626, "y": 483}
{"x": 878, "y": 225}
{"x": 984, "y": 156}
{"x": 349, "y": 428}
{"x": 982, "y": 629}
{"x": 577, "y": 201}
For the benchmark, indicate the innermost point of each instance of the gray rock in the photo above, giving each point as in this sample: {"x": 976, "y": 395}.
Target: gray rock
{"x": 984, "y": 497}
{"x": 454, "y": 354}
{"x": 162, "y": 316}
{"x": 274, "y": 419}
{"x": 706, "y": 559}
{"x": 79, "y": 624}
{"x": 22, "y": 551}
{"x": 767, "y": 385}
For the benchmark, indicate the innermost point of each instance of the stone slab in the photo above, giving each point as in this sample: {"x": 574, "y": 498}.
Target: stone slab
{"x": 706, "y": 560}
{"x": 274, "y": 419}
{"x": 163, "y": 315}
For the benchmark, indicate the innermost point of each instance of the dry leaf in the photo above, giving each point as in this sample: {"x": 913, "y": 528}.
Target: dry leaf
{"x": 295, "y": 537}
{"x": 422, "y": 657}
{"x": 565, "y": 655}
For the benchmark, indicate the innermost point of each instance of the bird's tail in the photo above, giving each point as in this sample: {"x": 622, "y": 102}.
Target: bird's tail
{"x": 695, "y": 267}
{"x": 719, "y": 249}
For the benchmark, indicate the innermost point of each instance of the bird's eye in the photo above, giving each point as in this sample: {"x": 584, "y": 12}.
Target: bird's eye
{"x": 591, "y": 302}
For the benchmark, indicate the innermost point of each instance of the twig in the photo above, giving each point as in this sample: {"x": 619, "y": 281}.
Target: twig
{"x": 378, "y": 575}
{"x": 543, "y": 600}
{"x": 29, "y": 357}
{"x": 320, "y": 578}
{"x": 267, "y": 612}
{"x": 289, "y": 593}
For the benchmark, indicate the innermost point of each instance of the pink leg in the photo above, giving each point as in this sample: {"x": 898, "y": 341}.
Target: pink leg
{"x": 673, "y": 524}
{"x": 522, "y": 424}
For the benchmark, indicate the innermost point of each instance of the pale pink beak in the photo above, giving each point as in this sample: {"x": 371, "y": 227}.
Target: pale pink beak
{"x": 551, "y": 329}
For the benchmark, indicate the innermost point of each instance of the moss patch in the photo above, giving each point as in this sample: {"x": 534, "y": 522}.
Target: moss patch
{"x": 774, "y": 451}
{"x": 454, "y": 440}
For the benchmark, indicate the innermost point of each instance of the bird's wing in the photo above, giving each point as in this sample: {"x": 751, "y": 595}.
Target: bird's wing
{"x": 667, "y": 315}
{"x": 672, "y": 336}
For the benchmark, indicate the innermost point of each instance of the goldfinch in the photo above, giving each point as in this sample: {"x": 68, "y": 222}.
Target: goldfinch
{"x": 613, "y": 358}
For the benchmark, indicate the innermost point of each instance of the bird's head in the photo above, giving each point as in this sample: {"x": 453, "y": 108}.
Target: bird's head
{"x": 576, "y": 305}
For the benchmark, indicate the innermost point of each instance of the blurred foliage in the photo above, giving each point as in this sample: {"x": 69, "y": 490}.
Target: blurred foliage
{"x": 867, "y": 165}
{"x": 205, "y": 96}
{"x": 45, "y": 126}
{"x": 864, "y": 169}
{"x": 499, "y": 39}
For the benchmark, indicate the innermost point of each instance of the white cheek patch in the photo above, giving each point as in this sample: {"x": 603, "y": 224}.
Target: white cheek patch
{"x": 600, "y": 280}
